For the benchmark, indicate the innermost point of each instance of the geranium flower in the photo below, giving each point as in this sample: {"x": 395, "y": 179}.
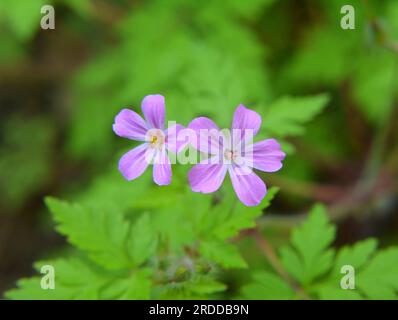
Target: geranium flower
{"x": 157, "y": 141}
{"x": 233, "y": 152}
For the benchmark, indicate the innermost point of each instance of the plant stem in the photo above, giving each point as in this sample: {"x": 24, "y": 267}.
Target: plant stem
{"x": 273, "y": 259}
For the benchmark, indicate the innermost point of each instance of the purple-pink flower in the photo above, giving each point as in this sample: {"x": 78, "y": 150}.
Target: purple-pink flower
{"x": 235, "y": 153}
{"x": 156, "y": 140}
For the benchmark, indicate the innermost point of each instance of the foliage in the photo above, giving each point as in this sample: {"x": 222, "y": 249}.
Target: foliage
{"x": 316, "y": 267}
{"x": 141, "y": 250}
{"x": 127, "y": 262}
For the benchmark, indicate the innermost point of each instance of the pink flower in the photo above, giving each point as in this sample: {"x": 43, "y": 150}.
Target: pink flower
{"x": 156, "y": 140}
{"x": 233, "y": 152}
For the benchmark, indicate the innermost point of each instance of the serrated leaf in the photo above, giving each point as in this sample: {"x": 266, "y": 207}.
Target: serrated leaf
{"x": 379, "y": 279}
{"x": 142, "y": 241}
{"x": 196, "y": 287}
{"x": 99, "y": 232}
{"x": 225, "y": 254}
{"x": 374, "y": 277}
{"x": 138, "y": 286}
{"x": 309, "y": 256}
{"x": 240, "y": 217}
{"x": 335, "y": 292}
{"x": 74, "y": 279}
{"x": 206, "y": 285}
{"x": 356, "y": 256}
{"x": 287, "y": 116}
{"x": 267, "y": 286}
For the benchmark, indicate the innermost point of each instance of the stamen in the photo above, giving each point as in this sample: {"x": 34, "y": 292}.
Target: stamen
{"x": 154, "y": 139}
{"x": 230, "y": 155}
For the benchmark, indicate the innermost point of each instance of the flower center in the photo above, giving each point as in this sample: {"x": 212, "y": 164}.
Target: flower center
{"x": 230, "y": 155}
{"x": 156, "y": 138}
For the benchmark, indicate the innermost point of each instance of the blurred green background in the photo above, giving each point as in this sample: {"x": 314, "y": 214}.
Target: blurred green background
{"x": 60, "y": 90}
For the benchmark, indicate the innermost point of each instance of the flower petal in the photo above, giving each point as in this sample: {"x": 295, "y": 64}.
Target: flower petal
{"x": 134, "y": 163}
{"x": 207, "y": 177}
{"x": 161, "y": 168}
{"x": 248, "y": 186}
{"x": 265, "y": 155}
{"x": 175, "y": 142}
{"x": 129, "y": 124}
{"x": 247, "y": 121}
{"x": 153, "y": 107}
{"x": 207, "y": 136}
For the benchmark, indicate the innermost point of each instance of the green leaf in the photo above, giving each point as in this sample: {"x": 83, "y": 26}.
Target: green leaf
{"x": 142, "y": 240}
{"x": 111, "y": 189}
{"x": 74, "y": 279}
{"x": 333, "y": 291}
{"x": 379, "y": 279}
{"x": 196, "y": 287}
{"x": 375, "y": 275}
{"x": 356, "y": 256}
{"x": 225, "y": 254}
{"x": 104, "y": 234}
{"x": 267, "y": 286}
{"x": 138, "y": 286}
{"x": 240, "y": 217}
{"x": 179, "y": 222}
{"x": 309, "y": 260}
{"x": 206, "y": 285}
{"x": 309, "y": 256}
{"x": 288, "y": 115}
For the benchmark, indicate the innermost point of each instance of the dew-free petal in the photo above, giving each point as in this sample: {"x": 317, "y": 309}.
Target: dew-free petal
{"x": 266, "y": 155}
{"x": 161, "y": 168}
{"x": 249, "y": 187}
{"x": 129, "y": 124}
{"x": 134, "y": 163}
{"x": 207, "y": 136}
{"x": 153, "y": 108}
{"x": 207, "y": 177}
{"x": 247, "y": 121}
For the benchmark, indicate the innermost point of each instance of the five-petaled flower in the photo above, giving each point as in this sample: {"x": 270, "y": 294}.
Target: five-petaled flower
{"x": 228, "y": 152}
{"x": 157, "y": 140}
